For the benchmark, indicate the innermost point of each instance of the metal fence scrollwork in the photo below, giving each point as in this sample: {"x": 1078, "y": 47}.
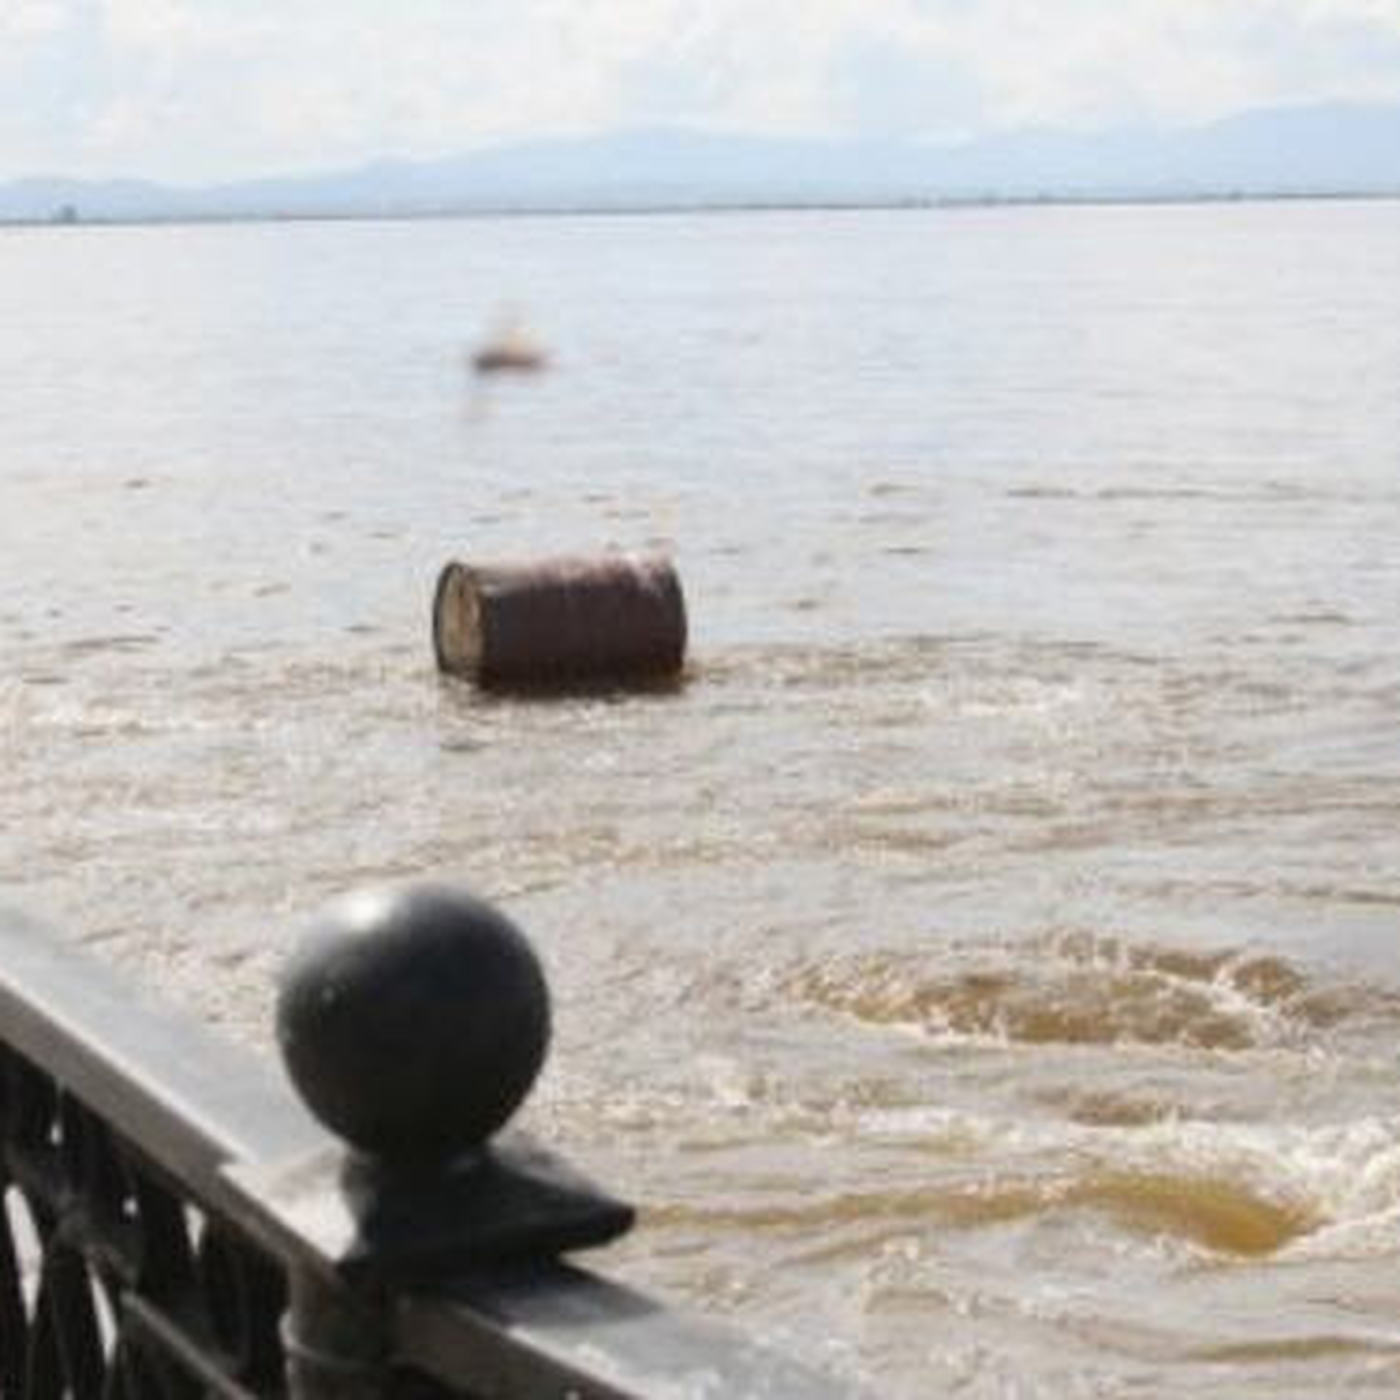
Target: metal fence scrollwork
{"x": 113, "y": 1281}
{"x": 177, "y": 1223}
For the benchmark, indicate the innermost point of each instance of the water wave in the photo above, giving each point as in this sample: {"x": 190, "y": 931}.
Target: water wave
{"x": 83, "y": 647}
{"x": 1085, "y": 989}
{"x": 1216, "y": 1213}
{"x": 1228, "y": 1189}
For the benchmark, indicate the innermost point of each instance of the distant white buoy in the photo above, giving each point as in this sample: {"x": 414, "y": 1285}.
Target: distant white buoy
{"x": 511, "y": 349}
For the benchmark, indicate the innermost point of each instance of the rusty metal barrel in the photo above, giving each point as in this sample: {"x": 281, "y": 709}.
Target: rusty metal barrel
{"x": 611, "y": 620}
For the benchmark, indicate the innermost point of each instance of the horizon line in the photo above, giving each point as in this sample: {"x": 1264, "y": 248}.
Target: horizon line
{"x": 64, "y": 218}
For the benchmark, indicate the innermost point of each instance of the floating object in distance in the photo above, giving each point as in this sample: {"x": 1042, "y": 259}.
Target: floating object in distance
{"x": 561, "y": 623}
{"x": 509, "y": 350}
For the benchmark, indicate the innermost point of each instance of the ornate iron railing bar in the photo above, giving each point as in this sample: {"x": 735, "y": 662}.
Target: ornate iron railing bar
{"x": 149, "y": 1328}
{"x": 184, "y": 1201}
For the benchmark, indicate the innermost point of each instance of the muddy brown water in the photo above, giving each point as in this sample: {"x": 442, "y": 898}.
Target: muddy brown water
{"x": 984, "y": 971}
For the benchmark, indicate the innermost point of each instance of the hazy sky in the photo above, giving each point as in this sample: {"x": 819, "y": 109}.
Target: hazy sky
{"x": 207, "y": 89}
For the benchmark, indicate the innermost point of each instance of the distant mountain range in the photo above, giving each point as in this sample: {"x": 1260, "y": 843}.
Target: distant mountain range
{"x": 1333, "y": 149}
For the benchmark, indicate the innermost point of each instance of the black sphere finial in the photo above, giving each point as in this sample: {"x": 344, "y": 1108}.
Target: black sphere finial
{"x": 413, "y": 1021}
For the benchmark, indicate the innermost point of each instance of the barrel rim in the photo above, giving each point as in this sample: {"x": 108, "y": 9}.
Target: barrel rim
{"x": 448, "y": 575}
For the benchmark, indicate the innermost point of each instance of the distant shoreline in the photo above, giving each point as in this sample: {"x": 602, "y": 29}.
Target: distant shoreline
{"x": 1320, "y": 150}
{"x": 66, "y": 219}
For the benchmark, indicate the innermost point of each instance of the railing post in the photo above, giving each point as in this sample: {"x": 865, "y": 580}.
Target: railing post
{"x": 413, "y": 1022}
{"x": 336, "y": 1341}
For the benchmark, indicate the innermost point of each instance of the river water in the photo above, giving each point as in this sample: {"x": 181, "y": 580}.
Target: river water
{"x": 984, "y": 973}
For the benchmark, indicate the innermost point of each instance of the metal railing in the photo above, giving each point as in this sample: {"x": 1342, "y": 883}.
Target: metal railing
{"x": 176, "y": 1222}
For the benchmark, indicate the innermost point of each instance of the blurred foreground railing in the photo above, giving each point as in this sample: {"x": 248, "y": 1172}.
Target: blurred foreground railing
{"x": 176, "y": 1223}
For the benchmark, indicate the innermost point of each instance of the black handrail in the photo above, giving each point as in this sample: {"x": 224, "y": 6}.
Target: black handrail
{"x": 176, "y": 1222}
